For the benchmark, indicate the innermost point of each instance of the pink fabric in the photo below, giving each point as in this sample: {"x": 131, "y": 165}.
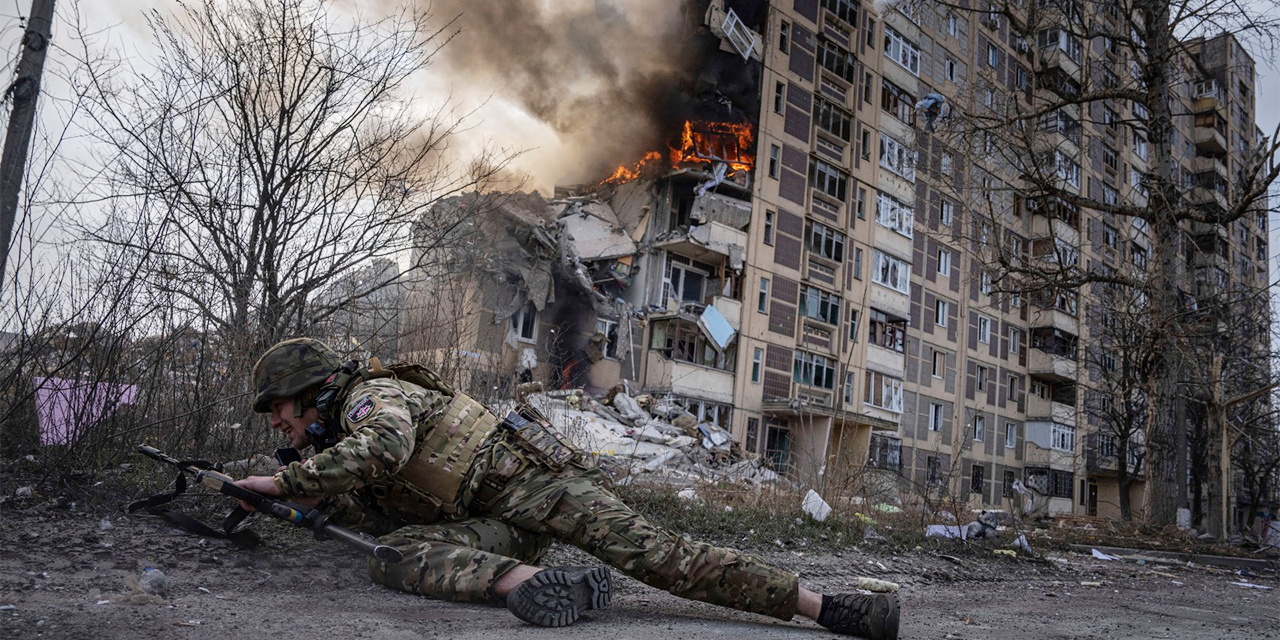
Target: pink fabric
{"x": 67, "y": 407}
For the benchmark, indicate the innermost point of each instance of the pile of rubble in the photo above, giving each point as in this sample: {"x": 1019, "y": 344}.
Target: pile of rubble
{"x": 648, "y": 435}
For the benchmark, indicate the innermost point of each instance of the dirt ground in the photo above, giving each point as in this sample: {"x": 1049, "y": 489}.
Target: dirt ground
{"x": 64, "y": 574}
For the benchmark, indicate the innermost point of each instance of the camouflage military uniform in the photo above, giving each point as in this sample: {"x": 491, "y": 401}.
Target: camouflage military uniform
{"x": 458, "y": 551}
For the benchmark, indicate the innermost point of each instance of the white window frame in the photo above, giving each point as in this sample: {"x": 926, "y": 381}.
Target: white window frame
{"x": 762, "y": 298}
{"x": 941, "y": 310}
{"x": 981, "y": 376}
{"x": 891, "y": 272}
{"x": 1010, "y": 435}
{"x": 1062, "y": 437}
{"x": 895, "y": 214}
{"x": 757, "y": 365}
{"x": 890, "y": 390}
{"x": 603, "y": 325}
{"x": 984, "y": 329}
{"x": 946, "y": 213}
{"x": 979, "y": 428}
{"x": 677, "y": 293}
{"x": 897, "y": 157}
{"x": 526, "y": 320}
{"x": 944, "y": 262}
{"x": 901, "y": 51}
{"x": 935, "y": 416}
{"x": 1015, "y": 340}
{"x": 939, "y": 365}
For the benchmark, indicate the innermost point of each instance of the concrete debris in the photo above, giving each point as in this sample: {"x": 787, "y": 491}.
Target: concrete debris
{"x": 1184, "y": 519}
{"x": 815, "y": 506}
{"x": 687, "y": 494}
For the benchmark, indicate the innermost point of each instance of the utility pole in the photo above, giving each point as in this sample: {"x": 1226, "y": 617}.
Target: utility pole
{"x": 24, "y": 93}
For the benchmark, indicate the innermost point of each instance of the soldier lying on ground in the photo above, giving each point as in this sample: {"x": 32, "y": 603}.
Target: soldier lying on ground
{"x": 474, "y": 501}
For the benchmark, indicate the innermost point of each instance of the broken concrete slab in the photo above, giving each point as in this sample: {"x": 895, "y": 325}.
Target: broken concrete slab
{"x": 815, "y": 506}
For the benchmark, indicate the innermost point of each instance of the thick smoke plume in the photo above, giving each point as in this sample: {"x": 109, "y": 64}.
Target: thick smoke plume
{"x": 601, "y": 73}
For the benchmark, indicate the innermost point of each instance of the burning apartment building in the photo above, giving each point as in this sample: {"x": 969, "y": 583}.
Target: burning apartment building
{"x": 788, "y": 263}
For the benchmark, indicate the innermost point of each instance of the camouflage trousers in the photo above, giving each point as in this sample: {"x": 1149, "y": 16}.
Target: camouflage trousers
{"x": 462, "y": 560}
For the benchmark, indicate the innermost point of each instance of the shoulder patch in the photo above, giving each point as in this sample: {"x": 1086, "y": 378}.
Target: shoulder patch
{"x": 362, "y": 409}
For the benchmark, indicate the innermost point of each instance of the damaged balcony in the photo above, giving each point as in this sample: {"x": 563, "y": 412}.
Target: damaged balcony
{"x": 1058, "y": 404}
{"x": 1101, "y": 456}
{"x": 692, "y": 355}
{"x": 1053, "y": 354}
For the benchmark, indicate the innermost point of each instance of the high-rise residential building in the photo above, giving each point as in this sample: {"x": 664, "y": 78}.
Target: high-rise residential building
{"x": 854, "y": 294}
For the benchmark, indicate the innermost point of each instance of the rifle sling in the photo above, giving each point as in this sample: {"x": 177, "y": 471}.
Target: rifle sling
{"x": 244, "y": 538}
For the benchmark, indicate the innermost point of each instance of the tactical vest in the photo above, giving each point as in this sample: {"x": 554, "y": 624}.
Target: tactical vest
{"x": 430, "y": 482}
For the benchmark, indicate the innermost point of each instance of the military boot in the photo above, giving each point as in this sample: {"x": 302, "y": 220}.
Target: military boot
{"x": 556, "y": 597}
{"x": 874, "y": 616}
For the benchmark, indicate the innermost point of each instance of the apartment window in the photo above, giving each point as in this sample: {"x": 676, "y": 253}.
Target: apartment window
{"x": 894, "y": 214}
{"x": 993, "y": 56}
{"x": 982, "y": 376}
{"x": 525, "y": 322}
{"x": 950, "y": 69}
{"x": 826, "y": 242}
{"x": 945, "y": 214}
{"x": 753, "y": 434}
{"x": 1110, "y": 236}
{"x": 890, "y": 334}
{"x": 1109, "y": 157}
{"x": 901, "y": 51}
{"x": 939, "y": 364}
{"x": 935, "y": 416}
{"x": 884, "y": 391}
{"x": 895, "y": 101}
{"x": 784, "y": 37}
{"x": 687, "y": 283}
{"x": 984, "y": 329}
{"x": 837, "y": 60}
{"x": 896, "y": 157}
{"x": 853, "y": 325}
{"x": 768, "y": 227}
{"x": 934, "y": 468}
{"x": 1140, "y": 147}
{"x": 848, "y": 388}
{"x": 1040, "y": 390}
{"x": 1107, "y": 361}
{"x": 953, "y": 25}
{"x": 1015, "y": 340}
{"x": 979, "y": 428}
{"x": 1015, "y": 299}
{"x": 947, "y": 163}
{"x": 857, "y": 263}
{"x": 757, "y": 363}
{"x": 820, "y": 305}
{"x": 779, "y": 97}
{"x": 609, "y": 329}
{"x": 866, "y": 143}
{"x": 891, "y": 272}
{"x": 862, "y": 201}
{"x": 1110, "y": 195}
{"x": 1007, "y": 491}
{"x": 814, "y": 370}
{"x": 774, "y": 152}
{"x": 979, "y": 477}
{"x": 944, "y": 262}
{"x": 941, "y": 309}
{"x": 846, "y": 10}
{"x": 1067, "y": 169}
{"x": 1010, "y": 435}
{"x": 832, "y": 119}
{"x": 1110, "y": 118}
{"x": 762, "y": 298}
{"x": 1022, "y": 80}
{"x": 1013, "y": 387}
{"x": 828, "y": 179}
{"x": 1062, "y": 437}
{"x": 1139, "y": 256}
{"x": 866, "y": 84}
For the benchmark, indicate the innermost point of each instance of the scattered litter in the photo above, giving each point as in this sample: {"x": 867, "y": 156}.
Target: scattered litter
{"x": 103, "y": 602}
{"x": 1163, "y": 574}
{"x": 1250, "y": 585}
{"x": 1103, "y": 556}
{"x": 154, "y": 582}
{"x": 105, "y": 525}
{"x": 945, "y": 531}
{"x": 1005, "y": 552}
{"x": 203, "y": 590}
{"x": 1176, "y": 583}
{"x": 24, "y": 492}
{"x": 1022, "y": 543}
{"x": 865, "y": 519}
{"x": 187, "y": 623}
{"x": 877, "y": 586}
{"x": 10, "y": 607}
{"x": 1091, "y": 584}
{"x": 815, "y": 506}
{"x": 687, "y": 494}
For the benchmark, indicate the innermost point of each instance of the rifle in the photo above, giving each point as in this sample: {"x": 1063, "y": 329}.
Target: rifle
{"x": 211, "y": 476}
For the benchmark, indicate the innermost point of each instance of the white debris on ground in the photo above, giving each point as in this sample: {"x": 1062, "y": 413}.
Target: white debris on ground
{"x": 649, "y": 435}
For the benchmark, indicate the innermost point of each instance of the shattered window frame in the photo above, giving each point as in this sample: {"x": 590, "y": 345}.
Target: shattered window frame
{"x": 819, "y": 305}
{"x": 828, "y": 179}
{"x": 902, "y": 51}
{"x": 892, "y": 213}
{"x": 813, "y": 370}
{"x": 775, "y": 153}
{"x": 883, "y": 392}
{"x": 845, "y": 10}
{"x": 683, "y": 341}
{"x": 832, "y": 119}
{"x": 762, "y": 299}
{"x": 826, "y": 242}
{"x": 836, "y": 59}
{"x": 784, "y": 37}
{"x": 891, "y": 272}
{"x": 526, "y": 321}
{"x": 939, "y": 367}
{"x": 757, "y": 365}
{"x": 898, "y": 158}
{"x": 895, "y": 101}
{"x": 609, "y": 328}
{"x": 941, "y": 311}
{"x": 979, "y": 428}
{"x": 768, "y": 227}
{"x": 887, "y": 333}
{"x": 779, "y": 96}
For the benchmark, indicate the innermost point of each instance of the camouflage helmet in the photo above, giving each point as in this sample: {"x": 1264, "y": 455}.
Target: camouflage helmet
{"x": 290, "y": 367}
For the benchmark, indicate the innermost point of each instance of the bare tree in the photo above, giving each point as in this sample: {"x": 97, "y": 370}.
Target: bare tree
{"x": 267, "y": 150}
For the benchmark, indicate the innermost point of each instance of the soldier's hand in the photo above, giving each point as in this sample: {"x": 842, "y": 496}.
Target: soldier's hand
{"x": 264, "y": 485}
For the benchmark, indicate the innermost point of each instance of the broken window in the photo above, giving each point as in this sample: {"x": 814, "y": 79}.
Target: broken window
{"x": 941, "y": 310}
{"x": 826, "y": 242}
{"x": 894, "y": 214}
{"x": 885, "y": 452}
{"x": 1007, "y": 491}
{"x": 939, "y": 365}
{"x": 977, "y": 483}
{"x": 896, "y": 157}
{"x": 884, "y": 391}
{"x": 890, "y": 334}
{"x": 685, "y": 283}
{"x": 779, "y": 97}
{"x": 820, "y": 305}
{"x": 609, "y": 329}
{"x": 933, "y": 468}
{"x": 814, "y": 370}
{"x": 742, "y": 38}
{"x": 891, "y": 272}
{"x": 768, "y": 227}
{"x": 901, "y": 51}
{"x": 705, "y": 410}
{"x": 684, "y": 340}
{"x": 837, "y": 60}
{"x": 832, "y": 119}
{"x": 895, "y": 101}
{"x": 777, "y": 445}
{"x": 757, "y": 362}
{"x": 774, "y": 152}
{"x": 784, "y": 37}
{"x": 1063, "y": 437}
{"x": 828, "y": 179}
{"x": 846, "y": 10}
{"x": 762, "y": 300}
{"x": 525, "y": 322}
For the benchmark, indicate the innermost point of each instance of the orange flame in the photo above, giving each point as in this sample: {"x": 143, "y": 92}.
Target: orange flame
{"x": 730, "y": 142}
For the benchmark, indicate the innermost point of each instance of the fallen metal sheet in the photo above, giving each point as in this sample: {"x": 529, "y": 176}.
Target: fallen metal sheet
{"x": 714, "y": 324}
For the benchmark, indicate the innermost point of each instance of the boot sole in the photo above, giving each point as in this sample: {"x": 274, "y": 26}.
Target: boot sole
{"x": 557, "y": 597}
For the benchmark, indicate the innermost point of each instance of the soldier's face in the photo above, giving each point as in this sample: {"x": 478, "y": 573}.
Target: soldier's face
{"x": 293, "y": 428}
